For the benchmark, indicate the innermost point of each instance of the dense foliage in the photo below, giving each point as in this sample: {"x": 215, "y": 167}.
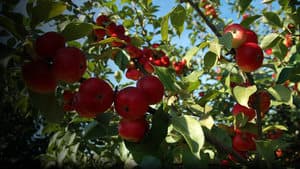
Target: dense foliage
{"x": 105, "y": 84}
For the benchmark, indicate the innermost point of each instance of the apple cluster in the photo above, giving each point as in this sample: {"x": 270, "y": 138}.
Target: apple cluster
{"x": 243, "y": 141}
{"x": 132, "y": 103}
{"x": 248, "y": 54}
{"x": 54, "y": 62}
{"x": 209, "y": 9}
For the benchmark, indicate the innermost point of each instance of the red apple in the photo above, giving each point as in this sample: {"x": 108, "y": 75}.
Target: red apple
{"x": 249, "y": 57}
{"x": 261, "y": 99}
{"x": 133, "y": 130}
{"x": 133, "y": 74}
{"x": 239, "y": 35}
{"x": 288, "y": 42}
{"x": 244, "y": 141}
{"x": 249, "y": 112}
{"x": 148, "y": 67}
{"x": 69, "y": 64}
{"x": 102, "y": 20}
{"x": 68, "y": 100}
{"x": 152, "y": 87}
{"x": 38, "y": 76}
{"x": 47, "y": 44}
{"x": 131, "y": 103}
{"x": 251, "y": 36}
{"x": 94, "y": 96}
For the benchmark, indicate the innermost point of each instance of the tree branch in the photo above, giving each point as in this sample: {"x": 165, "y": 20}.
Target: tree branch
{"x": 201, "y": 14}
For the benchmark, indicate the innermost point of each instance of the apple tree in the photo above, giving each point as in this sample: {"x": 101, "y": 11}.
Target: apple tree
{"x": 118, "y": 84}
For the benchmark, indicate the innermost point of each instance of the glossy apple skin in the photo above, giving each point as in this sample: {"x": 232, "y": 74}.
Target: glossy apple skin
{"x": 38, "y": 76}
{"x": 69, "y": 64}
{"x": 249, "y": 57}
{"x": 251, "y": 36}
{"x": 238, "y": 32}
{"x": 244, "y": 141}
{"x": 47, "y": 44}
{"x": 131, "y": 103}
{"x": 262, "y": 99}
{"x": 94, "y": 96}
{"x": 133, "y": 130}
{"x": 68, "y": 100}
{"x": 153, "y": 88}
{"x": 249, "y": 112}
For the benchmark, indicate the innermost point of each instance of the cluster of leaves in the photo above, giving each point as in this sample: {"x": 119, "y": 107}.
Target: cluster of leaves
{"x": 186, "y": 130}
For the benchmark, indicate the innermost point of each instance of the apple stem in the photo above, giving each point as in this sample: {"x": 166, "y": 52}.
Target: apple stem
{"x": 209, "y": 24}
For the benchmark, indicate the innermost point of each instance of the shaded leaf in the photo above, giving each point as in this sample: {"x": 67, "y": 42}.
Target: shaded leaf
{"x": 208, "y": 97}
{"x": 249, "y": 20}
{"x": 273, "y": 19}
{"x": 280, "y": 93}
{"x": 167, "y": 78}
{"x": 122, "y": 59}
{"x": 177, "y": 17}
{"x": 226, "y": 40}
{"x": 210, "y": 60}
{"x": 45, "y": 10}
{"x": 75, "y": 31}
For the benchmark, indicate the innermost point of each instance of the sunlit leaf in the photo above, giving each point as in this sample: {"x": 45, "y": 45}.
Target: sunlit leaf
{"x": 273, "y": 19}
{"x": 190, "y": 54}
{"x": 280, "y": 93}
{"x": 269, "y": 40}
{"x": 192, "y": 132}
{"x": 165, "y": 28}
{"x": 177, "y": 17}
{"x": 242, "y": 94}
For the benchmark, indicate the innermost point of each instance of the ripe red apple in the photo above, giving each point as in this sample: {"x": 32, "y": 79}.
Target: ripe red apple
{"x": 47, "y": 44}
{"x": 288, "y": 42}
{"x": 148, "y": 67}
{"x": 269, "y": 51}
{"x": 131, "y": 103}
{"x": 239, "y": 35}
{"x": 249, "y": 57}
{"x": 38, "y": 76}
{"x": 102, "y": 20}
{"x": 261, "y": 99}
{"x": 69, "y": 64}
{"x": 237, "y": 108}
{"x": 165, "y": 61}
{"x": 133, "y": 130}
{"x": 68, "y": 100}
{"x": 244, "y": 141}
{"x": 152, "y": 87}
{"x": 94, "y": 96}
{"x": 251, "y": 36}
{"x": 133, "y": 74}
{"x": 133, "y": 51}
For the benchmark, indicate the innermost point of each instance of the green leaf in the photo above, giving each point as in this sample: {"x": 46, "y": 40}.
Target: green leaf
{"x": 222, "y": 136}
{"x": 150, "y": 162}
{"x": 207, "y": 121}
{"x": 192, "y": 132}
{"x": 208, "y": 97}
{"x": 274, "y": 127}
{"x": 48, "y": 105}
{"x": 210, "y": 60}
{"x": 215, "y": 47}
{"x": 10, "y": 26}
{"x": 273, "y": 19}
{"x": 177, "y": 17}
{"x": 266, "y": 149}
{"x": 242, "y": 94}
{"x": 249, "y": 20}
{"x": 269, "y": 41}
{"x": 45, "y": 10}
{"x": 100, "y": 128}
{"x": 150, "y": 145}
{"x": 280, "y": 51}
{"x": 240, "y": 120}
{"x": 280, "y": 93}
{"x": 189, "y": 55}
{"x": 192, "y": 80}
{"x": 167, "y": 78}
{"x": 284, "y": 75}
{"x": 189, "y": 160}
{"x": 165, "y": 28}
{"x": 226, "y": 40}
{"x": 267, "y": 1}
{"x": 122, "y": 59}
{"x": 243, "y": 5}
{"x": 295, "y": 58}
{"x": 75, "y": 31}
